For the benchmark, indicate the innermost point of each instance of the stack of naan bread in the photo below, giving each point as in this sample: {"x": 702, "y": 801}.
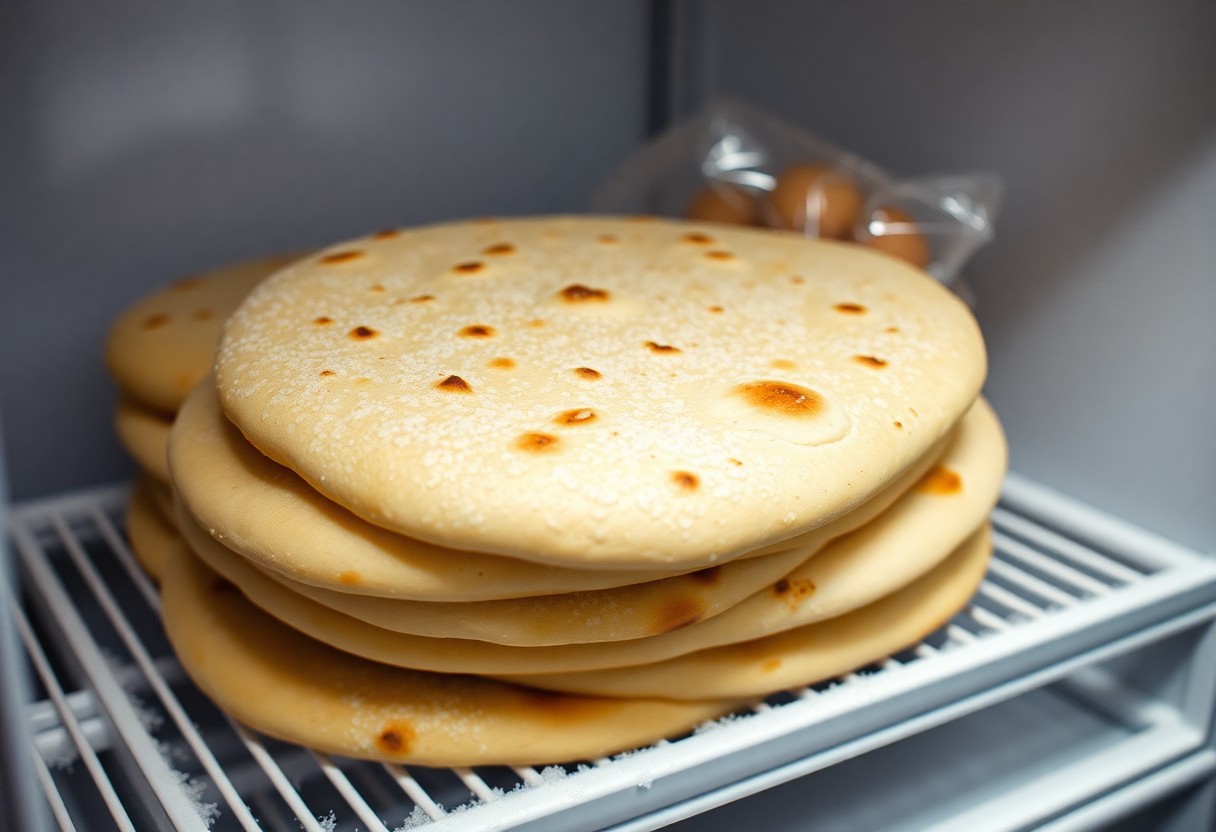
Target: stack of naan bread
{"x": 537, "y": 490}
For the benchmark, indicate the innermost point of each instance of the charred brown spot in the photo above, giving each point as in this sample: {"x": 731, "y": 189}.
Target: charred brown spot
{"x": 422, "y": 298}
{"x": 536, "y": 442}
{"x": 898, "y": 425}
{"x": 396, "y": 737}
{"x": 770, "y": 665}
{"x": 608, "y": 239}
{"x": 734, "y": 461}
{"x": 469, "y": 267}
{"x": 940, "y": 480}
{"x": 708, "y": 576}
{"x": 477, "y": 331}
{"x": 797, "y": 279}
{"x": 350, "y": 577}
{"x": 677, "y": 614}
{"x": 499, "y": 249}
{"x": 579, "y": 416}
{"x": 578, "y": 293}
{"x": 870, "y": 361}
{"x": 850, "y": 308}
{"x": 685, "y": 480}
{"x": 794, "y": 592}
{"x": 588, "y": 373}
{"x": 323, "y": 320}
{"x": 203, "y": 314}
{"x": 718, "y": 254}
{"x": 698, "y": 239}
{"x": 454, "y": 384}
{"x": 502, "y": 363}
{"x": 337, "y": 257}
{"x": 782, "y": 364}
{"x": 326, "y": 373}
{"x": 386, "y": 234}
{"x": 656, "y": 347}
{"x": 375, "y": 287}
{"x": 891, "y": 330}
{"x": 156, "y": 321}
{"x": 716, "y": 309}
{"x": 781, "y": 398}
{"x": 363, "y": 333}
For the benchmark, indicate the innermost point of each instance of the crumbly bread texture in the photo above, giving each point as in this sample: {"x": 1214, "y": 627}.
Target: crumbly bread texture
{"x": 805, "y": 655}
{"x": 164, "y": 343}
{"x": 144, "y": 434}
{"x": 151, "y": 536}
{"x": 597, "y": 392}
{"x": 893, "y": 550}
{"x": 271, "y": 516}
{"x": 284, "y": 684}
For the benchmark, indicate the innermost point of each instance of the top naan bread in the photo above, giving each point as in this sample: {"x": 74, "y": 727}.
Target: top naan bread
{"x": 598, "y": 392}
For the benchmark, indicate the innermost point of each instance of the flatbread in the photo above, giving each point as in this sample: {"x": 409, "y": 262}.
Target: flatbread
{"x": 806, "y": 655}
{"x": 269, "y": 515}
{"x": 600, "y": 615}
{"x": 144, "y": 434}
{"x": 894, "y": 549}
{"x": 164, "y": 343}
{"x": 150, "y": 535}
{"x": 596, "y": 392}
{"x": 284, "y": 684}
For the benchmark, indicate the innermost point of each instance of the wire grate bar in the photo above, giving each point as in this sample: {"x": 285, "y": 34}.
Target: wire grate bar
{"x": 1049, "y": 566}
{"x": 529, "y": 775}
{"x": 1011, "y": 600}
{"x": 987, "y": 618}
{"x": 415, "y": 792}
{"x": 122, "y": 551}
{"x": 1052, "y": 541}
{"x": 282, "y": 785}
{"x": 1032, "y": 583}
{"x": 473, "y": 782}
{"x": 46, "y": 675}
{"x": 349, "y": 793}
{"x": 53, "y": 797}
{"x": 135, "y": 645}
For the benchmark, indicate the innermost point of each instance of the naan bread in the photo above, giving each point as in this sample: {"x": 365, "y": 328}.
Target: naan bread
{"x": 906, "y": 541}
{"x": 806, "y": 655}
{"x": 599, "y": 393}
{"x": 151, "y": 536}
{"x": 284, "y": 684}
{"x": 266, "y": 513}
{"x": 144, "y": 434}
{"x": 164, "y": 343}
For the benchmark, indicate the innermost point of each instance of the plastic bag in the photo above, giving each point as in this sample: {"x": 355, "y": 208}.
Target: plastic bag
{"x": 735, "y": 164}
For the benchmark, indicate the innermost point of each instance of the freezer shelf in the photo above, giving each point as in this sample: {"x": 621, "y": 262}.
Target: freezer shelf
{"x": 1068, "y": 588}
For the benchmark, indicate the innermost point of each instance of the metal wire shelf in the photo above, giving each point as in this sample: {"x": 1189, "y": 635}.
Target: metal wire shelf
{"x": 122, "y": 740}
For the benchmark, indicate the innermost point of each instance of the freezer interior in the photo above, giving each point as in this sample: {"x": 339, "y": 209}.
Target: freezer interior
{"x": 1075, "y": 692}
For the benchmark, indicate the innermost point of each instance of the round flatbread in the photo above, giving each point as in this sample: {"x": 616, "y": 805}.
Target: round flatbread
{"x": 164, "y": 343}
{"x": 288, "y": 686}
{"x": 152, "y": 537}
{"x": 806, "y": 655}
{"x": 596, "y": 392}
{"x": 266, "y": 513}
{"x": 144, "y": 433}
{"x": 906, "y": 541}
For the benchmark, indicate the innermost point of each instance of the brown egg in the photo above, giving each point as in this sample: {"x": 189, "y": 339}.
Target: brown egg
{"x": 901, "y": 239}
{"x": 723, "y": 203}
{"x": 817, "y": 200}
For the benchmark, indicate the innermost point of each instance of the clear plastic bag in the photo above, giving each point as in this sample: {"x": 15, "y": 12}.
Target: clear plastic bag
{"x": 735, "y": 164}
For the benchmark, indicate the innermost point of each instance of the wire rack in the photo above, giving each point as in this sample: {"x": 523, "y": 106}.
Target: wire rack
{"x": 122, "y": 740}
